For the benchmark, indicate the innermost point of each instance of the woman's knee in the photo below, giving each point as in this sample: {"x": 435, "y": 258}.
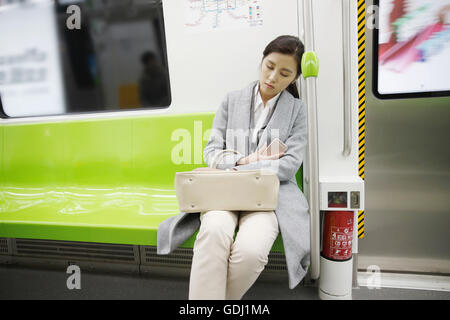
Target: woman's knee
{"x": 249, "y": 256}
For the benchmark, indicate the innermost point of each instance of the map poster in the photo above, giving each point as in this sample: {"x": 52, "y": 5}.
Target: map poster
{"x": 208, "y": 15}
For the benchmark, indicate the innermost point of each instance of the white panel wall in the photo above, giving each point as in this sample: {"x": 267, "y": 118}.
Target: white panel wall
{"x": 328, "y": 45}
{"x": 203, "y": 67}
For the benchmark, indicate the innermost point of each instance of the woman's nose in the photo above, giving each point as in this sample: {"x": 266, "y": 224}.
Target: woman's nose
{"x": 273, "y": 76}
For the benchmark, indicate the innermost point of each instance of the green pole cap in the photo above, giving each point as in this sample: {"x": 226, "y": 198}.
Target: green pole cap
{"x": 310, "y": 64}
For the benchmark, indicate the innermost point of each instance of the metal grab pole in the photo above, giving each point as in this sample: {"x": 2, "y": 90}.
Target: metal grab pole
{"x": 313, "y": 152}
{"x": 346, "y": 73}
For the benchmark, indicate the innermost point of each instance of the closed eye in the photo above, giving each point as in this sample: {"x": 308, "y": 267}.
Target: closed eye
{"x": 280, "y": 73}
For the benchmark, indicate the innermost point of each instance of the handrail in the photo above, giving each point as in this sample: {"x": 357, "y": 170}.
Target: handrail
{"x": 313, "y": 152}
{"x": 346, "y": 81}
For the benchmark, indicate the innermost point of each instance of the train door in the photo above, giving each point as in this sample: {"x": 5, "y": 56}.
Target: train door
{"x": 407, "y": 159}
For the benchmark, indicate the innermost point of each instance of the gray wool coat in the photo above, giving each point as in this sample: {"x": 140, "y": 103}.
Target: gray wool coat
{"x": 231, "y": 130}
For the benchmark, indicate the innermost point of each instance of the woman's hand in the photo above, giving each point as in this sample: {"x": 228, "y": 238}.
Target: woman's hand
{"x": 257, "y": 155}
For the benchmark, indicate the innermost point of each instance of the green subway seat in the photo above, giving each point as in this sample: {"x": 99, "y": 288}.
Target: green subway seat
{"x": 107, "y": 181}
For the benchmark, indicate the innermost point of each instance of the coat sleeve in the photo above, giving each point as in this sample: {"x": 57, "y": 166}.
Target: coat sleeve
{"x": 217, "y": 140}
{"x": 287, "y": 166}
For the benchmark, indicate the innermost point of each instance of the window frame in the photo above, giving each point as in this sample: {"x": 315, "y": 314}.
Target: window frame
{"x": 98, "y": 114}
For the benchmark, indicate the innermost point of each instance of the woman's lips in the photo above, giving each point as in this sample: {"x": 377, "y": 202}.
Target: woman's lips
{"x": 268, "y": 86}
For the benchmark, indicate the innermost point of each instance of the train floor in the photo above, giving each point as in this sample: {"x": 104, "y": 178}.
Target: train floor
{"x": 23, "y": 282}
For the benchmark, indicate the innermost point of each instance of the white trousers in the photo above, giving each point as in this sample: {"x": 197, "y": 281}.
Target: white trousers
{"x": 226, "y": 269}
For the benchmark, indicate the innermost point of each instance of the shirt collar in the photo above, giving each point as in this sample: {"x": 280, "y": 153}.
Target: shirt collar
{"x": 258, "y": 99}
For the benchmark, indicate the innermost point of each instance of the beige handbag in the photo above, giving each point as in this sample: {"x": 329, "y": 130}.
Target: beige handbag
{"x": 244, "y": 190}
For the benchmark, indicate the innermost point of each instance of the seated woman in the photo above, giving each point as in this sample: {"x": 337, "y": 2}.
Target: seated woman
{"x": 268, "y": 108}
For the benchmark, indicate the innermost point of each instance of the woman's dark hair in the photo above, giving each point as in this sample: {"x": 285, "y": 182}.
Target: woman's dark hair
{"x": 290, "y": 45}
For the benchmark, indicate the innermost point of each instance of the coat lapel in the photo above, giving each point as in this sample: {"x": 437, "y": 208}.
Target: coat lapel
{"x": 242, "y": 113}
{"x": 278, "y": 124}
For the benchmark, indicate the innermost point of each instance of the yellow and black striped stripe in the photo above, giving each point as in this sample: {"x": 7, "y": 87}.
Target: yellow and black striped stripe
{"x": 361, "y": 99}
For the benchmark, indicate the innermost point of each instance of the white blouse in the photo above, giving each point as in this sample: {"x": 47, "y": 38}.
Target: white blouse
{"x": 261, "y": 111}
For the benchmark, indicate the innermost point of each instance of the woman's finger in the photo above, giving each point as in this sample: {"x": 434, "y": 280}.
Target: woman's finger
{"x": 274, "y": 156}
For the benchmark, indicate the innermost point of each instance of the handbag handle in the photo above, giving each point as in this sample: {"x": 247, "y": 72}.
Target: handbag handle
{"x": 221, "y": 153}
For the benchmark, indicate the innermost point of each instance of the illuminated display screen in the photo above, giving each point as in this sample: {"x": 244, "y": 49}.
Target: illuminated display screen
{"x": 30, "y": 76}
{"x": 412, "y": 49}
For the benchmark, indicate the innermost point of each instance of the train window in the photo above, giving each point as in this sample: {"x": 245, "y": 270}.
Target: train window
{"x": 411, "y": 49}
{"x": 81, "y": 56}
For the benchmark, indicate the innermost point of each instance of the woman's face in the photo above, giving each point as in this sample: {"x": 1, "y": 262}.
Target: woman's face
{"x": 278, "y": 71}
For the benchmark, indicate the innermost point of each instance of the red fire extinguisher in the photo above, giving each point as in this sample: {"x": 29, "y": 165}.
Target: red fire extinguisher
{"x": 337, "y": 234}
